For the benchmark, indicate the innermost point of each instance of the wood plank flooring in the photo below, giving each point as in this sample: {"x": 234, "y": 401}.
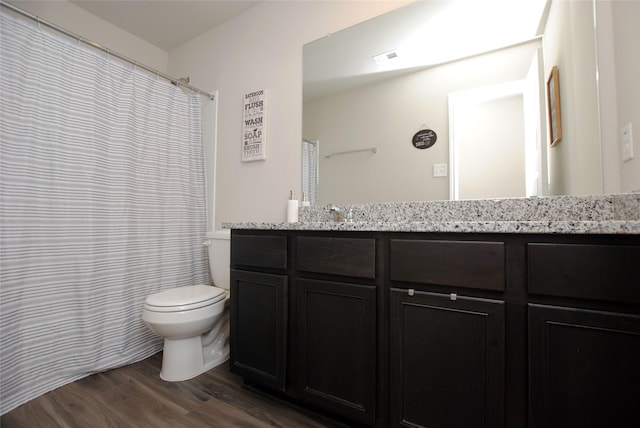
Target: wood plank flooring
{"x": 135, "y": 396}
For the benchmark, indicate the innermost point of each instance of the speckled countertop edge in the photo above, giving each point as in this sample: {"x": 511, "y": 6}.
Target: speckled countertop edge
{"x": 600, "y": 214}
{"x": 539, "y": 227}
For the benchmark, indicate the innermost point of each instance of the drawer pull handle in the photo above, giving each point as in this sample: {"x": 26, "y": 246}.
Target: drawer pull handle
{"x": 411, "y": 292}
{"x": 453, "y": 296}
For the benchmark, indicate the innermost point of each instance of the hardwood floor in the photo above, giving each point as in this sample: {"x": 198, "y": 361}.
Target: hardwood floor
{"x": 135, "y": 396}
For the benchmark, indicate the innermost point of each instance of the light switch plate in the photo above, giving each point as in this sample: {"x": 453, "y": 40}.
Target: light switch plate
{"x": 626, "y": 141}
{"x": 440, "y": 170}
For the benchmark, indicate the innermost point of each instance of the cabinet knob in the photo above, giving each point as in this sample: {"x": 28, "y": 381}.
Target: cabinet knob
{"x": 411, "y": 292}
{"x": 453, "y": 296}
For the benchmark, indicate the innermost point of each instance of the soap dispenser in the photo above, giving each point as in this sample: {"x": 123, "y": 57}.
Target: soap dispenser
{"x": 292, "y": 208}
{"x": 305, "y": 202}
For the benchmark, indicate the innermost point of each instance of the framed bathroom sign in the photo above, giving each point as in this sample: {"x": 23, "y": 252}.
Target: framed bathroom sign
{"x": 254, "y": 126}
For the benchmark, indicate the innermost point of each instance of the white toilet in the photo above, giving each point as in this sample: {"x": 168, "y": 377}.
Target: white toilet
{"x": 194, "y": 320}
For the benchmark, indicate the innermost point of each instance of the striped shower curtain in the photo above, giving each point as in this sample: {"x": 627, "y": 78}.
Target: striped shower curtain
{"x": 310, "y": 170}
{"x": 102, "y": 202}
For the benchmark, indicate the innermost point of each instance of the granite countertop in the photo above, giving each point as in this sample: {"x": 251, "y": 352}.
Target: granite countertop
{"x": 545, "y": 227}
{"x": 607, "y": 214}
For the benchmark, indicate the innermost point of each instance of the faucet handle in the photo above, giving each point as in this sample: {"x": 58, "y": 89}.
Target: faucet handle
{"x": 338, "y": 217}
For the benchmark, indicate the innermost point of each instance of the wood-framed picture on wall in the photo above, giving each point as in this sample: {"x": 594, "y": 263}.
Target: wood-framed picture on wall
{"x": 553, "y": 107}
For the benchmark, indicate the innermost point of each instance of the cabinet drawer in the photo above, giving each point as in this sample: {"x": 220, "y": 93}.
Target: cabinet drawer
{"x": 471, "y": 264}
{"x": 601, "y": 272}
{"x": 338, "y": 256}
{"x": 259, "y": 251}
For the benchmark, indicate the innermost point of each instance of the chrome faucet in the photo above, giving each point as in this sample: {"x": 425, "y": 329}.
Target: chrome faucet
{"x": 338, "y": 217}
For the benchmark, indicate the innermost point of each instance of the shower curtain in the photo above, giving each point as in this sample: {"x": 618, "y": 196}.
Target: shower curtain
{"x": 102, "y": 202}
{"x": 310, "y": 170}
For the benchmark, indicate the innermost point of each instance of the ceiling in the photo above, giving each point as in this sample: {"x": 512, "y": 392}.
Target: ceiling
{"x": 166, "y": 23}
{"x": 421, "y": 34}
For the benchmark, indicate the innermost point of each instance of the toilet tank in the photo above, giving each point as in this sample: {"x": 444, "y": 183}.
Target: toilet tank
{"x": 219, "y": 257}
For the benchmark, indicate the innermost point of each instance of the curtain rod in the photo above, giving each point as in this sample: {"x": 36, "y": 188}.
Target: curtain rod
{"x": 178, "y": 82}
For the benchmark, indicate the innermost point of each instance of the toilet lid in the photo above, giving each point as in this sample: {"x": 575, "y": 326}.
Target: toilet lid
{"x": 184, "y": 298}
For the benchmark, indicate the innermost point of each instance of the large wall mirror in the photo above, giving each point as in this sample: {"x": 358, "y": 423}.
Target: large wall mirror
{"x": 370, "y": 88}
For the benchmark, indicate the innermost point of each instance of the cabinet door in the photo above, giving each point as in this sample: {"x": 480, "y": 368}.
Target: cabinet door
{"x": 447, "y": 360}
{"x": 259, "y": 327}
{"x": 584, "y": 368}
{"x": 336, "y": 330}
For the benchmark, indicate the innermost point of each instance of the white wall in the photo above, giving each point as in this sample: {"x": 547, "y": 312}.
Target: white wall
{"x": 70, "y": 17}
{"x": 387, "y": 115}
{"x": 607, "y": 97}
{"x": 575, "y": 166}
{"x": 626, "y": 17}
{"x": 262, "y": 49}
{"x": 618, "y": 37}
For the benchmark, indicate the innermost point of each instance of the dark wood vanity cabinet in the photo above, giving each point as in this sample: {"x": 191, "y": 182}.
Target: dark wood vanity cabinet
{"x": 585, "y": 367}
{"x": 336, "y": 325}
{"x": 584, "y": 335}
{"x": 336, "y": 335}
{"x": 447, "y": 347}
{"x": 258, "y": 311}
{"x": 304, "y": 319}
{"x": 447, "y": 360}
{"x": 259, "y": 327}
{"x": 441, "y": 329}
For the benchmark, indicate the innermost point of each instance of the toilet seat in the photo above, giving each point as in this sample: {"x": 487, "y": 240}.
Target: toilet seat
{"x": 185, "y": 298}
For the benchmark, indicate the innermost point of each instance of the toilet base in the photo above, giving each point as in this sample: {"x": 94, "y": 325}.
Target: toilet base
{"x": 183, "y": 359}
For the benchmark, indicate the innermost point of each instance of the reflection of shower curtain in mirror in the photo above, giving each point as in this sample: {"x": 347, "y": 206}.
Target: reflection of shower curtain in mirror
{"x": 102, "y": 202}
{"x": 310, "y": 170}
